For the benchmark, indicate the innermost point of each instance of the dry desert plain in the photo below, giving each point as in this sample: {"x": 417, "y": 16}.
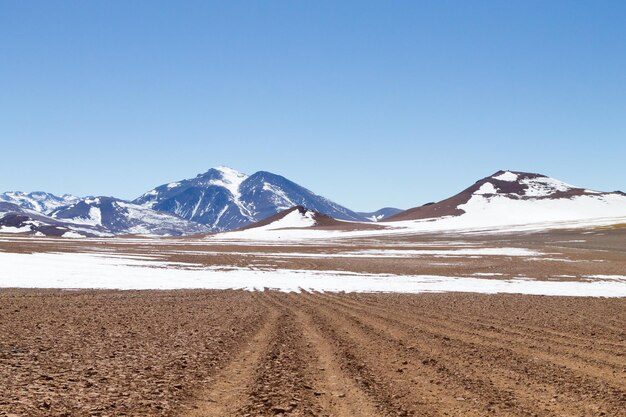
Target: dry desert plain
{"x": 475, "y": 338}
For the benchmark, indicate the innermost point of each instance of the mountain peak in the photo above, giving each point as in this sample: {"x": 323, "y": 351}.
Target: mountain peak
{"x": 229, "y": 171}
{"x": 505, "y": 176}
{"x": 229, "y": 179}
{"x": 223, "y": 170}
{"x": 526, "y": 185}
{"x": 225, "y": 199}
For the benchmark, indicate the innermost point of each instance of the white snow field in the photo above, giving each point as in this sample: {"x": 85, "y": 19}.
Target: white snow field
{"x": 86, "y": 271}
{"x": 456, "y": 225}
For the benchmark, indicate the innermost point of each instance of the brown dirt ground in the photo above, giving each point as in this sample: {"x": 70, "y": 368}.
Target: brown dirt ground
{"x": 235, "y": 353}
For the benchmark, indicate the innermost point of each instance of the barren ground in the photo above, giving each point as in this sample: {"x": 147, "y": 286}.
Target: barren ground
{"x": 236, "y": 353}
{"x": 221, "y": 353}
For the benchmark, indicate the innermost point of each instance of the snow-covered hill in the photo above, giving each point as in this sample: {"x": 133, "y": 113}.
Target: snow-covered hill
{"x": 225, "y": 199}
{"x": 296, "y": 217}
{"x": 505, "y": 201}
{"x": 514, "y": 198}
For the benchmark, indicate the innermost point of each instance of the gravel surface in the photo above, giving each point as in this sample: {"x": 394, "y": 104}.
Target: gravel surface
{"x": 236, "y": 353}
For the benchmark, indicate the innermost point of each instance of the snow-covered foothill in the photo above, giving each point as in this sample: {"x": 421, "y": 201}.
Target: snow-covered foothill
{"x": 293, "y": 219}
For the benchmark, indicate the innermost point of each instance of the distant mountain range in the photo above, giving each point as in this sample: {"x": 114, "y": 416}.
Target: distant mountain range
{"x": 38, "y": 201}
{"x": 218, "y": 200}
{"x": 99, "y": 216}
{"x": 223, "y": 199}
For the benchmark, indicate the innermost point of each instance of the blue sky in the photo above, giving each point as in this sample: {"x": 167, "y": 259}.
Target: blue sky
{"x": 368, "y": 103}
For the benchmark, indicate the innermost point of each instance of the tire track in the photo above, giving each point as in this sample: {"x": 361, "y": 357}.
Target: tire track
{"x": 593, "y": 366}
{"x": 540, "y": 333}
{"x": 555, "y": 335}
{"x": 339, "y": 395}
{"x": 598, "y": 363}
{"x": 282, "y": 383}
{"x": 504, "y": 367}
{"x": 225, "y": 395}
{"x": 396, "y": 386}
{"x": 495, "y": 383}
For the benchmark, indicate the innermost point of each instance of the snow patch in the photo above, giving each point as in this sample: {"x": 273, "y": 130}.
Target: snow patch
{"x": 544, "y": 186}
{"x": 486, "y": 188}
{"x": 94, "y": 216}
{"x": 231, "y": 180}
{"x": 73, "y": 235}
{"x": 501, "y": 210}
{"x": 608, "y": 277}
{"x": 507, "y": 176}
{"x": 279, "y": 197}
{"x": 8, "y": 229}
{"x": 375, "y": 218}
{"x": 293, "y": 219}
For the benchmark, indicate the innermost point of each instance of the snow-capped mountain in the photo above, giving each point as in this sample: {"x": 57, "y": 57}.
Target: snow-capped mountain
{"x": 266, "y": 194}
{"x": 225, "y": 199}
{"x": 67, "y": 215}
{"x": 211, "y": 198}
{"x": 39, "y": 201}
{"x": 381, "y": 214}
{"x": 509, "y": 197}
{"x": 115, "y": 216}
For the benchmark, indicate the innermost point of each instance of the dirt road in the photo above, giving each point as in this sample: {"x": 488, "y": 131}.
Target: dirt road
{"x": 234, "y": 353}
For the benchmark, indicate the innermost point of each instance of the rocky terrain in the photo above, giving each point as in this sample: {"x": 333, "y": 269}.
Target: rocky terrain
{"x": 235, "y": 353}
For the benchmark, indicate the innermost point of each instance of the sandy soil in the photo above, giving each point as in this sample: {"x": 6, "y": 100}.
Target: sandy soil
{"x": 231, "y": 353}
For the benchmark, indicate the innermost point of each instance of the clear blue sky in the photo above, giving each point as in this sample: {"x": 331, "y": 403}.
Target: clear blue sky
{"x": 368, "y": 103}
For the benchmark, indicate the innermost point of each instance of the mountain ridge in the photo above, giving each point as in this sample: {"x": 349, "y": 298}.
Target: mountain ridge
{"x": 225, "y": 199}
